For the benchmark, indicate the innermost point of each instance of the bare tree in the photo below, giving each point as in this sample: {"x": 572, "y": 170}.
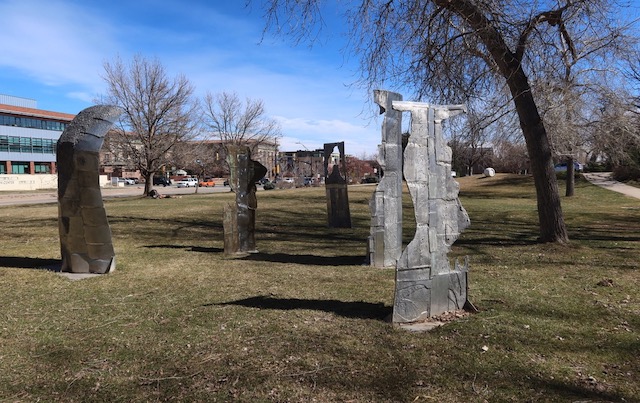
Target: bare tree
{"x": 159, "y": 112}
{"x": 235, "y": 122}
{"x": 458, "y": 50}
{"x": 510, "y": 157}
{"x": 615, "y": 129}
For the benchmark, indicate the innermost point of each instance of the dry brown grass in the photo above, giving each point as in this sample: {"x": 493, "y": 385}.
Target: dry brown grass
{"x": 303, "y": 320}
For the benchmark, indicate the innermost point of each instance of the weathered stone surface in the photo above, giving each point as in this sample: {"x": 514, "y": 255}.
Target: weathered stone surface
{"x": 239, "y": 219}
{"x": 426, "y": 285}
{"x": 85, "y": 236}
{"x": 338, "y": 213}
{"x": 386, "y": 204}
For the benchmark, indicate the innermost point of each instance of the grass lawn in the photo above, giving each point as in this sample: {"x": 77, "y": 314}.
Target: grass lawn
{"x": 303, "y": 320}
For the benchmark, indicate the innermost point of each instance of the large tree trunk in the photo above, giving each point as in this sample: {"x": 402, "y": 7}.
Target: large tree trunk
{"x": 551, "y": 219}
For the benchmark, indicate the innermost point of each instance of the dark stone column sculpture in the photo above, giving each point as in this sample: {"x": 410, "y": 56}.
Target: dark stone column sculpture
{"x": 426, "y": 285}
{"x": 338, "y": 213}
{"x": 85, "y": 235}
{"x": 239, "y": 219}
{"x": 385, "y": 239}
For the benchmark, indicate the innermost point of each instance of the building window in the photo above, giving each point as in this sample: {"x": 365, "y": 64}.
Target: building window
{"x": 36, "y": 145}
{"x": 14, "y": 144}
{"x": 3, "y": 168}
{"x": 25, "y": 144}
{"x": 48, "y": 146}
{"x": 42, "y": 168}
{"x": 19, "y": 167}
{"x": 32, "y": 123}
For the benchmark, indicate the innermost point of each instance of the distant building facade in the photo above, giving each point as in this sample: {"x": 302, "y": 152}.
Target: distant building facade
{"x": 28, "y": 136}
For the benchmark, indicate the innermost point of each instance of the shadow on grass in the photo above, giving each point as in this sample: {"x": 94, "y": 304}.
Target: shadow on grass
{"x": 30, "y": 263}
{"x": 186, "y": 247}
{"x": 344, "y": 260}
{"x": 356, "y": 310}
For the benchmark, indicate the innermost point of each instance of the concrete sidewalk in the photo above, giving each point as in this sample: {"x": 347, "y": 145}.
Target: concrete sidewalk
{"x": 604, "y": 179}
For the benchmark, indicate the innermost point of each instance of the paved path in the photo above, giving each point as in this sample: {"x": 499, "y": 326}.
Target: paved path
{"x": 603, "y": 179}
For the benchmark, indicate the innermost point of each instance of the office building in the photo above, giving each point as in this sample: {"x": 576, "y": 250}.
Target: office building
{"x": 28, "y": 136}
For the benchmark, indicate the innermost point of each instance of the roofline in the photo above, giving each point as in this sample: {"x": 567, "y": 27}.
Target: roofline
{"x": 39, "y": 113}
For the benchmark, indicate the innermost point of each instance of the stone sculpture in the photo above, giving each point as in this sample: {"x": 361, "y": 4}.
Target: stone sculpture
{"x": 338, "y": 213}
{"x": 385, "y": 239}
{"x": 239, "y": 219}
{"x": 426, "y": 285}
{"x": 85, "y": 235}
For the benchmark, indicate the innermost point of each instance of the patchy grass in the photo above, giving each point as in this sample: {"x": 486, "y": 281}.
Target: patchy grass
{"x": 303, "y": 319}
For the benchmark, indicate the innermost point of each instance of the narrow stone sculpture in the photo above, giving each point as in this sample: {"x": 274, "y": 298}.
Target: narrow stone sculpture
{"x": 85, "y": 235}
{"x": 385, "y": 239}
{"x": 239, "y": 219}
{"x": 426, "y": 285}
{"x": 338, "y": 213}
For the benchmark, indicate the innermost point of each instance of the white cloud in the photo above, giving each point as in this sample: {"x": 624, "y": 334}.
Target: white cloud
{"x": 53, "y": 42}
{"x": 61, "y": 45}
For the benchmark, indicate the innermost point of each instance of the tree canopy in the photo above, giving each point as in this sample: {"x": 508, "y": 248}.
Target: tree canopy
{"x": 464, "y": 50}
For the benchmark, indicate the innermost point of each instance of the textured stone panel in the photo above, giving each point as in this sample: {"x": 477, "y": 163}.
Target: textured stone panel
{"x": 439, "y": 219}
{"x": 389, "y": 188}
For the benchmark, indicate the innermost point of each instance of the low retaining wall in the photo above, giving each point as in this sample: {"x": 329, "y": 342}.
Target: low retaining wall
{"x": 35, "y": 182}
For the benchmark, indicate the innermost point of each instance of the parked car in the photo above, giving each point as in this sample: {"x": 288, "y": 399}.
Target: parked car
{"x": 187, "y": 182}
{"x": 207, "y": 182}
{"x": 288, "y": 180}
{"x": 126, "y": 181}
{"x": 161, "y": 181}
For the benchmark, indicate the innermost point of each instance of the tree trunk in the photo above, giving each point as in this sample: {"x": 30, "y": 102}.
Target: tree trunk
{"x": 551, "y": 219}
{"x": 571, "y": 178}
{"x": 148, "y": 182}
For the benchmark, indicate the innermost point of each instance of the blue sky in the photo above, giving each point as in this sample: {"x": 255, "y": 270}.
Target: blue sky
{"x": 53, "y": 51}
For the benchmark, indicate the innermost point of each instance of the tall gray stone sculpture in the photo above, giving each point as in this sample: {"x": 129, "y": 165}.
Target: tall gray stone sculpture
{"x": 426, "y": 285}
{"x": 385, "y": 239}
{"x": 85, "y": 235}
{"x": 239, "y": 221}
{"x": 338, "y": 213}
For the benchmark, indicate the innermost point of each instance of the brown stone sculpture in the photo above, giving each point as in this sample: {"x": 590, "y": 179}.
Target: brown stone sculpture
{"x": 385, "y": 239}
{"x": 338, "y": 213}
{"x": 239, "y": 219}
{"x": 426, "y": 285}
{"x": 85, "y": 235}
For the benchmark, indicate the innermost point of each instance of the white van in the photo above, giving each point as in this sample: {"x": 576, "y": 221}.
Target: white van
{"x": 187, "y": 182}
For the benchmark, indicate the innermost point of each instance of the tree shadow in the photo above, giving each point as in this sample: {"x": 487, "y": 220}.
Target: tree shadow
{"x": 186, "y": 247}
{"x": 344, "y": 260}
{"x": 30, "y": 263}
{"x": 354, "y": 309}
